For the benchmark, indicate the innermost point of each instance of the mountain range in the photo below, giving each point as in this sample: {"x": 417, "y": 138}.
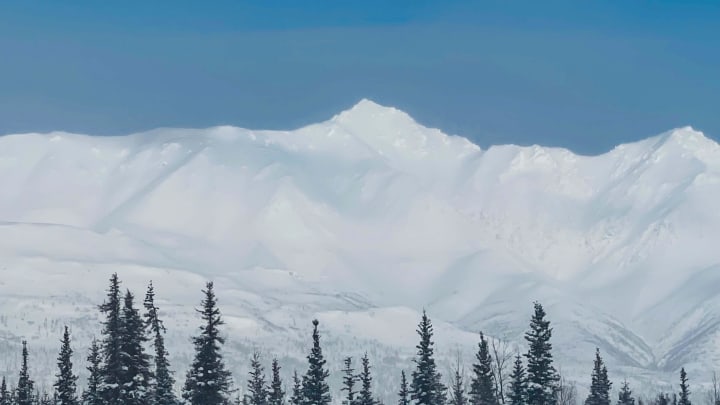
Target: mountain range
{"x": 363, "y": 221}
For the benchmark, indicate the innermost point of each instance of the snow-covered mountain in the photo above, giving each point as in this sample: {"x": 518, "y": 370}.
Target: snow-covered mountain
{"x": 362, "y": 221}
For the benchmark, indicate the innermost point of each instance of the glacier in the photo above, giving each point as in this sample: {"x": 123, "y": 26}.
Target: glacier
{"x": 363, "y": 221}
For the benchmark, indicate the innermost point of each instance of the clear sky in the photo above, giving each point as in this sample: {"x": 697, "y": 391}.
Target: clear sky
{"x": 580, "y": 74}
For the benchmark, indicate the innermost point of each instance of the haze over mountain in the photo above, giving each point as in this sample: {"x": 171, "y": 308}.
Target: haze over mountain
{"x": 362, "y": 221}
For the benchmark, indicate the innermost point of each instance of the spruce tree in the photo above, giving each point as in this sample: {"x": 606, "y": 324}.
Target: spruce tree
{"x": 541, "y": 375}
{"x": 684, "y": 389}
{"x": 348, "y": 382}
{"x": 12, "y": 395}
{"x": 457, "y": 389}
{"x": 625, "y": 395}
{"x": 112, "y": 345}
{"x": 426, "y": 386}
{"x": 208, "y": 382}
{"x": 600, "y": 384}
{"x": 404, "y": 393}
{"x": 256, "y": 383}
{"x": 315, "y": 389}
{"x": 162, "y": 391}
{"x": 45, "y": 399}
{"x": 91, "y": 395}
{"x": 276, "y": 395}
{"x": 518, "y": 383}
{"x": 135, "y": 376}
{"x": 482, "y": 387}
{"x": 662, "y": 399}
{"x": 297, "y": 395}
{"x": 24, "y": 393}
{"x": 365, "y": 395}
{"x": 4, "y": 393}
{"x": 66, "y": 382}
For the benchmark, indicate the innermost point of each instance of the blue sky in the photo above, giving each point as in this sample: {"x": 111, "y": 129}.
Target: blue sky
{"x": 583, "y": 75}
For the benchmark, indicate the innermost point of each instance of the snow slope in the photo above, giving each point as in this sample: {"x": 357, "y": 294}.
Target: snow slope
{"x": 362, "y": 221}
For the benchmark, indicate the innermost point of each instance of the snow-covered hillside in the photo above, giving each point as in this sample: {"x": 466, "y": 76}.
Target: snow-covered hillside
{"x": 362, "y": 221}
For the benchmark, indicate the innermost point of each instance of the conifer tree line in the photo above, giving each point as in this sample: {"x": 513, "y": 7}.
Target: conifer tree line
{"x": 128, "y": 364}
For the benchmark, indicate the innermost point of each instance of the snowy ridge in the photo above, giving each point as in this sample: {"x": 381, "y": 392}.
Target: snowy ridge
{"x": 362, "y": 220}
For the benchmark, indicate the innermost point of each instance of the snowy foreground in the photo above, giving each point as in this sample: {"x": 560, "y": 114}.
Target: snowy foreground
{"x": 361, "y": 221}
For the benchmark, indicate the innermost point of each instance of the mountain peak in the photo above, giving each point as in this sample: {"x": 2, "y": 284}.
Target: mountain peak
{"x": 367, "y": 103}
{"x": 394, "y": 134}
{"x": 685, "y": 141}
{"x": 367, "y": 109}
{"x": 685, "y": 135}
{"x": 688, "y": 139}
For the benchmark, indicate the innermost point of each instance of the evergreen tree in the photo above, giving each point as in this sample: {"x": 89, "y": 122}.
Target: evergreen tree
{"x": 66, "y": 382}
{"x": 482, "y": 388}
{"x": 315, "y": 389}
{"x": 297, "y": 395}
{"x": 625, "y": 396}
{"x": 518, "y": 383}
{"x": 45, "y": 399}
{"x": 426, "y": 386}
{"x": 541, "y": 375}
{"x": 276, "y": 395}
{"x": 111, "y": 350}
{"x": 208, "y": 383}
{"x": 4, "y": 393}
{"x": 91, "y": 395}
{"x": 24, "y": 393}
{"x": 256, "y": 382}
{"x": 600, "y": 384}
{"x": 662, "y": 399}
{"x": 404, "y": 393}
{"x": 162, "y": 392}
{"x": 457, "y": 389}
{"x": 365, "y": 396}
{"x": 684, "y": 388}
{"x": 12, "y": 396}
{"x": 349, "y": 379}
{"x": 135, "y": 375}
